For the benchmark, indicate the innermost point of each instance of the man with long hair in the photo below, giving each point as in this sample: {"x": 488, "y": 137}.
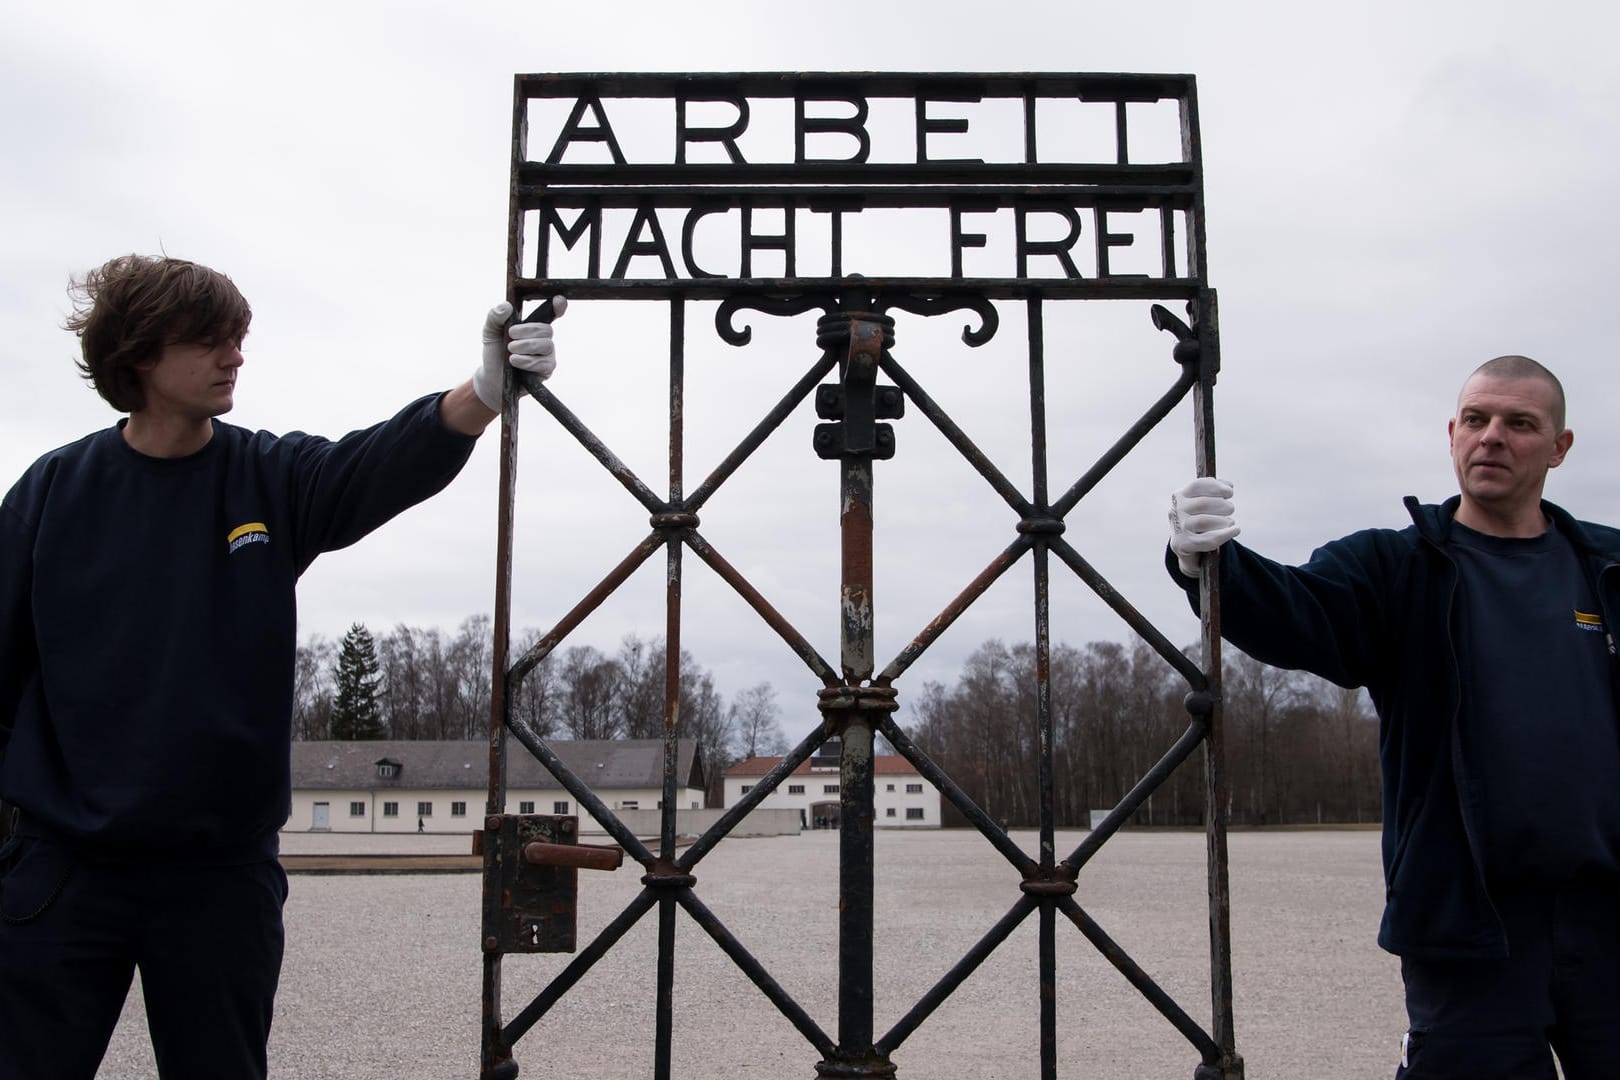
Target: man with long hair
{"x": 147, "y": 639}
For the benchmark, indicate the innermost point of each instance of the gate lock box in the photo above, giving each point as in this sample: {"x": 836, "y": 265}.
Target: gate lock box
{"x": 531, "y": 880}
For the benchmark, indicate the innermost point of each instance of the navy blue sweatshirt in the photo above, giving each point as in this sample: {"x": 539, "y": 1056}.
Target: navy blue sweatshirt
{"x": 148, "y": 624}
{"x": 1379, "y": 609}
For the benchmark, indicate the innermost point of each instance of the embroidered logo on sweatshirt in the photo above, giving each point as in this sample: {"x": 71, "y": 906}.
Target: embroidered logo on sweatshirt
{"x": 253, "y": 532}
{"x": 1583, "y": 621}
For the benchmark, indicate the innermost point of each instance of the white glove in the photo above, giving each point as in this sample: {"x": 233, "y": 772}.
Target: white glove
{"x": 523, "y": 345}
{"x": 1200, "y": 520}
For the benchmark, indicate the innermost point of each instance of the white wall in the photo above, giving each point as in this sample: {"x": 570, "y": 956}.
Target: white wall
{"x": 890, "y": 806}
{"x": 443, "y": 800}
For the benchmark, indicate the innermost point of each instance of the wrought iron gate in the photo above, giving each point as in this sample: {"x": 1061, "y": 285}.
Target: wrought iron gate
{"x": 530, "y": 861}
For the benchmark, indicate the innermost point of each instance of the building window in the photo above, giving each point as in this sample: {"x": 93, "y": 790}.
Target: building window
{"x": 387, "y": 770}
{"x": 888, "y": 811}
{"x": 458, "y": 809}
{"x": 526, "y": 807}
{"x": 795, "y": 789}
{"x": 357, "y": 809}
{"x": 888, "y": 787}
{"x": 746, "y": 788}
{"x": 829, "y": 789}
{"x": 914, "y": 813}
{"x": 913, "y": 789}
{"x": 630, "y": 804}
{"x": 560, "y": 807}
{"x": 424, "y": 809}
{"x": 390, "y": 809}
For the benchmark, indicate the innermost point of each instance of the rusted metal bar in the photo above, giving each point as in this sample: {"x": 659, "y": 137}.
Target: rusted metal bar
{"x": 1046, "y": 990}
{"x": 495, "y": 1057}
{"x": 672, "y": 577}
{"x": 664, "y": 1018}
{"x": 1124, "y": 609}
{"x": 946, "y": 986}
{"x": 1140, "y": 979}
{"x": 761, "y": 432}
{"x": 956, "y": 437}
{"x": 704, "y": 176}
{"x": 784, "y": 629}
{"x": 592, "y": 600}
{"x": 855, "y": 888}
{"x": 593, "y": 445}
{"x": 1046, "y": 946}
{"x": 1090, "y": 288}
{"x": 769, "y": 783}
{"x": 854, "y": 441}
{"x": 582, "y": 793}
{"x": 832, "y": 85}
{"x": 1217, "y": 803}
{"x": 953, "y": 794}
{"x": 1155, "y": 415}
{"x": 664, "y": 1009}
{"x": 942, "y": 622}
{"x": 1155, "y": 778}
{"x": 756, "y": 973}
{"x": 582, "y": 962}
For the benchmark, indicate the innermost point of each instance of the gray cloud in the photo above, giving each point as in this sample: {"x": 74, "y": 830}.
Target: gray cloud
{"x": 1394, "y": 194}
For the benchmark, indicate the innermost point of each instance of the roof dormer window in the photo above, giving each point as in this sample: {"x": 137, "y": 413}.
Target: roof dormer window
{"x": 387, "y": 769}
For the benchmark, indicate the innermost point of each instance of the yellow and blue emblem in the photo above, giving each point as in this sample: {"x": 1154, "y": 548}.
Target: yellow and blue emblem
{"x": 254, "y": 532}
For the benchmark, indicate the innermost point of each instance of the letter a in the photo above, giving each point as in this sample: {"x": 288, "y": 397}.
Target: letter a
{"x": 575, "y": 131}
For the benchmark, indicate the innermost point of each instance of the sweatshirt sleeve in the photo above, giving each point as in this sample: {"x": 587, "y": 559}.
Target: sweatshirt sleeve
{"x": 19, "y": 653}
{"x": 343, "y": 490}
{"x": 1325, "y": 616}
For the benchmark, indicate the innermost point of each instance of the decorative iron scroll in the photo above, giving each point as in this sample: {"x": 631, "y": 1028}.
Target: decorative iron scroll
{"x": 779, "y": 194}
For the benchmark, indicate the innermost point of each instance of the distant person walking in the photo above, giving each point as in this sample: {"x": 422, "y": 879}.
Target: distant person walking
{"x": 147, "y": 632}
{"x": 1484, "y": 633}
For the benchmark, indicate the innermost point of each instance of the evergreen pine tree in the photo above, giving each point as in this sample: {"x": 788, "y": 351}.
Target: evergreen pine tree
{"x": 356, "y": 713}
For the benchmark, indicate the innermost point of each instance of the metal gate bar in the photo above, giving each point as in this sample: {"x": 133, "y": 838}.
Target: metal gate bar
{"x": 855, "y": 335}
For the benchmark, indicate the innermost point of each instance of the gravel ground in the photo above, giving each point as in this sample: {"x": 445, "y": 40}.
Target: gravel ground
{"x": 382, "y": 975}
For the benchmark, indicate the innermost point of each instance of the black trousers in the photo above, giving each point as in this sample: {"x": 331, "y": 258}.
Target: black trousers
{"x": 206, "y": 939}
{"x": 1558, "y": 991}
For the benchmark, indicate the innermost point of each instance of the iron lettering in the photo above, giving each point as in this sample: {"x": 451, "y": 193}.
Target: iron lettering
{"x": 655, "y": 185}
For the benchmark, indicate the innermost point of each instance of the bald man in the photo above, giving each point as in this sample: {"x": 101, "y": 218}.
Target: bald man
{"x": 1483, "y": 634}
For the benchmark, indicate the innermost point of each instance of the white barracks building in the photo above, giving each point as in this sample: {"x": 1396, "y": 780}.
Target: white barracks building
{"x": 902, "y": 798}
{"x": 392, "y": 786}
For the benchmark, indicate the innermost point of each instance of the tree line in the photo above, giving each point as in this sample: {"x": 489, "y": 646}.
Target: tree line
{"x": 1298, "y": 750}
{"x": 416, "y": 683}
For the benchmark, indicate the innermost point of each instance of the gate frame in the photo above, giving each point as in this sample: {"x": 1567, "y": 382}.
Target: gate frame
{"x": 855, "y": 334}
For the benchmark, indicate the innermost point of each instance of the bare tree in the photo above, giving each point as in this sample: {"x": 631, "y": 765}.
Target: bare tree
{"x": 313, "y": 689}
{"x": 756, "y": 722}
{"x": 641, "y": 700}
{"x": 589, "y": 698}
{"x": 405, "y": 675}
{"x": 469, "y": 660}
{"x": 1259, "y": 699}
{"x": 534, "y": 698}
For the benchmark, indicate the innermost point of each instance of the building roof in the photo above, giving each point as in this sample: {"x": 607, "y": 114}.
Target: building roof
{"x": 882, "y": 765}
{"x": 605, "y": 764}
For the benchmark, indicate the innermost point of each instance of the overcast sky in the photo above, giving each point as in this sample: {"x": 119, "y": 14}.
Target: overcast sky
{"x": 1396, "y": 192}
